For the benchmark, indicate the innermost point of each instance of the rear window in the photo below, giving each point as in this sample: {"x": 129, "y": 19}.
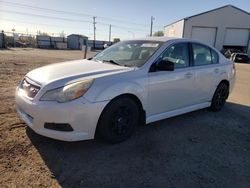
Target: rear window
{"x": 202, "y": 55}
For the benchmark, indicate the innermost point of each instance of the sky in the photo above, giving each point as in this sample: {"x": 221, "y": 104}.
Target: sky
{"x": 128, "y": 18}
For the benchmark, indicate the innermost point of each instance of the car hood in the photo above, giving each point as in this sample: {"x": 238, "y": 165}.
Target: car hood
{"x": 74, "y": 69}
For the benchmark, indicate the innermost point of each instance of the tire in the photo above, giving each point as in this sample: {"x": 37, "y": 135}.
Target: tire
{"x": 220, "y": 97}
{"x": 118, "y": 120}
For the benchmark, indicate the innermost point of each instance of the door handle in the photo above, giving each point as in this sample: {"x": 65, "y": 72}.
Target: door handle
{"x": 216, "y": 70}
{"x": 188, "y": 75}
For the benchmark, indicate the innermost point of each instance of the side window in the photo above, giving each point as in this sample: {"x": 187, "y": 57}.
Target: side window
{"x": 215, "y": 57}
{"x": 202, "y": 55}
{"x": 178, "y": 54}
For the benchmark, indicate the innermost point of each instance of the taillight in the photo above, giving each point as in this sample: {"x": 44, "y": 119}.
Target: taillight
{"x": 234, "y": 69}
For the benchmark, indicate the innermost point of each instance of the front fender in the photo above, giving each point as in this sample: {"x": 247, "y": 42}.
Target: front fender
{"x": 106, "y": 92}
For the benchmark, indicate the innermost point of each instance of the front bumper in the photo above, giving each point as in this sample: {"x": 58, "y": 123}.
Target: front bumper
{"x": 80, "y": 114}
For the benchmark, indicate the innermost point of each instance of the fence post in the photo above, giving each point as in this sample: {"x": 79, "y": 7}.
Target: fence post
{"x": 86, "y": 50}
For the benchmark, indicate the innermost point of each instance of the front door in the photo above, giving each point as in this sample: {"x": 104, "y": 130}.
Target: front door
{"x": 170, "y": 90}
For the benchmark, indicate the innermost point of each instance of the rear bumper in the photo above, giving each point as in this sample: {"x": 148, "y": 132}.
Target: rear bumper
{"x": 80, "y": 114}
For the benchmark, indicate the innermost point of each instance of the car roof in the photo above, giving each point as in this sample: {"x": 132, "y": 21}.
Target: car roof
{"x": 174, "y": 39}
{"x": 161, "y": 39}
{"x": 166, "y": 39}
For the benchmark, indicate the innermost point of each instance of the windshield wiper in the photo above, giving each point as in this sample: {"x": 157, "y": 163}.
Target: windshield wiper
{"x": 111, "y": 61}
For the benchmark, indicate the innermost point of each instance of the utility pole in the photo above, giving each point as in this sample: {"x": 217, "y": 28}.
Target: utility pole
{"x": 109, "y": 32}
{"x": 94, "y": 22}
{"x": 13, "y": 30}
{"x": 3, "y": 45}
{"x": 151, "y": 25}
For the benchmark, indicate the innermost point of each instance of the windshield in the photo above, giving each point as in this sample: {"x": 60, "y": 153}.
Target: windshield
{"x": 129, "y": 53}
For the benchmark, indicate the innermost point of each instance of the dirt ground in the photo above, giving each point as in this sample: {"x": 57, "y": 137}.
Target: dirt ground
{"x": 198, "y": 149}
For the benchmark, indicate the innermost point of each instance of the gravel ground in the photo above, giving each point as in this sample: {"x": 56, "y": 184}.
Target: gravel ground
{"x": 198, "y": 149}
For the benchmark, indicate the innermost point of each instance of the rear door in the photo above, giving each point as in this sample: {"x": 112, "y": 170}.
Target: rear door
{"x": 206, "y": 70}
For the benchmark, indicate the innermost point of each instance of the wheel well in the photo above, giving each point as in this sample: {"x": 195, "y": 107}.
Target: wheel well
{"x": 138, "y": 102}
{"x": 134, "y": 98}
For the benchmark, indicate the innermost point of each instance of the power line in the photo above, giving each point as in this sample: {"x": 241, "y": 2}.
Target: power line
{"x": 72, "y": 13}
{"x": 43, "y": 16}
{"x": 68, "y": 19}
{"x": 50, "y": 25}
{"x": 44, "y": 9}
{"x": 122, "y": 27}
{"x": 88, "y": 29}
{"x": 25, "y": 22}
{"x": 127, "y": 22}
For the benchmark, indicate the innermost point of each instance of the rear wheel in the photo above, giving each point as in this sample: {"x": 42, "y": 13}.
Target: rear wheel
{"x": 118, "y": 120}
{"x": 220, "y": 97}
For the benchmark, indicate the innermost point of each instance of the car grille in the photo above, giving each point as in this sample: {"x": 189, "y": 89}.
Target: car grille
{"x": 30, "y": 89}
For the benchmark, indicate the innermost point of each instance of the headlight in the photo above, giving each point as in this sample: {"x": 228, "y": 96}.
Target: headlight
{"x": 68, "y": 92}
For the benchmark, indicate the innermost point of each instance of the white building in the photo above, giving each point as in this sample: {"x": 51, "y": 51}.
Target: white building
{"x": 224, "y": 27}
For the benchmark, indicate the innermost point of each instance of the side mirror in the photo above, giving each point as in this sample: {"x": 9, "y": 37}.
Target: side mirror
{"x": 165, "y": 65}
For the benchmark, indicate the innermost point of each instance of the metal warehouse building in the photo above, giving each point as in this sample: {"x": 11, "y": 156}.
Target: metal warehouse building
{"x": 51, "y": 42}
{"x": 75, "y": 42}
{"x": 224, "y": 27}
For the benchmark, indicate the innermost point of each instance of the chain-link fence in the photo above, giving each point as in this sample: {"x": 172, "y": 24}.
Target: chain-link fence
{"x": 11, "y": 39}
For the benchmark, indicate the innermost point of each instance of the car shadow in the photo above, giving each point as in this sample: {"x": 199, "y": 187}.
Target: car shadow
{"x": 183, "y": 151}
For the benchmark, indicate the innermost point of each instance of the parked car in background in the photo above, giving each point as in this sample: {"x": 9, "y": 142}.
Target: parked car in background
{"x": 229, "y": 52}
{"x": 129, "y": 83}
{"x": 105, "y": 45}
{"x": 240, "y": 57}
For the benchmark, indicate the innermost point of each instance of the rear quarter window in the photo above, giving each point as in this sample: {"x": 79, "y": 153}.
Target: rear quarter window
{"x": 215, "y": 56}
{"x": 202, "y": 55}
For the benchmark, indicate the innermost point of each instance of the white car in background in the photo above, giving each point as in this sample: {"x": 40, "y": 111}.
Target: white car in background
{"x": 129, "y": 83}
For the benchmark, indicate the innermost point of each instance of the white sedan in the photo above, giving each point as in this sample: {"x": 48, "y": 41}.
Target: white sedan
{"x": 129, "y": 83}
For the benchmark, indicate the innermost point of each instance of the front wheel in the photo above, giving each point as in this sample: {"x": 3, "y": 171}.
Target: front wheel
{"x": 118, "y": 120}
{"x": 220, "y": 97}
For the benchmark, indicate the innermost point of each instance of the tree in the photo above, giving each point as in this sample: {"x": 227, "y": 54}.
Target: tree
{"x": 116, "y": 40}
{"x": 158, "y": 33}
{"x": 42, "y": 33}
{"x": 62, "y": 34}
